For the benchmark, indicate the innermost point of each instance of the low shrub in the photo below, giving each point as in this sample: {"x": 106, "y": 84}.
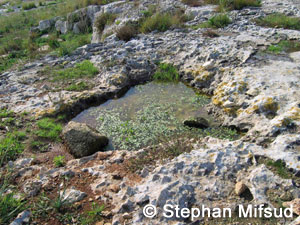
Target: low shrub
{"x": 166, "y": 72}
{"x": 278, "y": 20}
{"x": 126, "y": 32}
{"x": 160, "y": 22}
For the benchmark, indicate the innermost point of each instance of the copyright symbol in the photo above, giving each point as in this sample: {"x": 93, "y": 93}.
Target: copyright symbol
{"x": 149, "y": 211}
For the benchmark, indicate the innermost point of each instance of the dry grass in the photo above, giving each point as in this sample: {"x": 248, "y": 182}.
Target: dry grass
{"x": 126, "y": 32}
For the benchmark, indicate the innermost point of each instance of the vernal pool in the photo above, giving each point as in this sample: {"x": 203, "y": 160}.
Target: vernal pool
{"x": 147, "y": 113}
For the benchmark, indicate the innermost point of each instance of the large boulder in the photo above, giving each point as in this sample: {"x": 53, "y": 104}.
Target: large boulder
{"x": 83, "y": 140}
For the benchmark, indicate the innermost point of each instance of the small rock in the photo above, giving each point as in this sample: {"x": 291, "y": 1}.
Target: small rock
{"x": 72, "y": 195}
{"x": 114, "y": 188}
{"x": 126, "y": 216}
{"x": 22, "y": 218}
{"x": 240, "y": 187}
{"x": 295, "y": 204}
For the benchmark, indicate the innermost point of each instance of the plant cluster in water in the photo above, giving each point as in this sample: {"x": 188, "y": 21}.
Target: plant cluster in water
{"x": 150, "y": 112}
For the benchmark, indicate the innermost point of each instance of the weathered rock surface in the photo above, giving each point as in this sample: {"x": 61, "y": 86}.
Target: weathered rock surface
{"x": 83, "y": 140}
{"x": 72, "y": 195}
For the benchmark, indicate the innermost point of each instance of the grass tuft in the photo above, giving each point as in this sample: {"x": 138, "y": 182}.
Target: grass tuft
{"x": 85, "y": 69}
{"x": 59, "y": 161}
{"x": 48, "y": 129}
{"x": 10, "y": 148}
{"x": 278, "y": 20}
{"x": 166, "y": 72}
{"x": 280, "y": 168}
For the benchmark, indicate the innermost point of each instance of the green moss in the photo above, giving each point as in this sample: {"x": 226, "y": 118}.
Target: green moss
{"x": 279, "y": 21}
{"x": 166, "y": 72}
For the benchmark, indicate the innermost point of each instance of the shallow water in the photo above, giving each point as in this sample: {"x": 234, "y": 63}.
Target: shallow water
{"x": 145, "y": 113}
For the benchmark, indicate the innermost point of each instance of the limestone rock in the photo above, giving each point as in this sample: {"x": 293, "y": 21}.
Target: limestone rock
{"x": 295, "y": 204}
{"x": 83, "y": 140}
{"x": 22, "y": 218}
{"x": 72, "y": 195}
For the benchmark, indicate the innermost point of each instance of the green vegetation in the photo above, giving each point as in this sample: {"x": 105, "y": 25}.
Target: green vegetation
{"x": 27, "y": 6}
{"x": 284, "y": 46}
{"x": 217, "y": 21}
{"x": 166, "y": 72}
{"x": 10, "y": 207}
{"x": 85, "y": 69}
{"x": 18, "y": 45}
{"x": 81, "y": 86}
{"x": 162, "y": 21}
{"x": 278, "y": 20}
{"x": 280, "y": 168}
{"x": 92, "y": 216}
{"x": 154, "y": 113}
{"x": 225, "y": 5}
{"x": 71, "y": 42}
{"x": 48, "y": 129}
{"x": 10, "y": 147}
{"x": 103, "y": 20}
{"x": 59, "y": 161}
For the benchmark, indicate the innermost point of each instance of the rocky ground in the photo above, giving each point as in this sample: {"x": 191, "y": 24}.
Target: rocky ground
{"x": 252, "y": 90}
